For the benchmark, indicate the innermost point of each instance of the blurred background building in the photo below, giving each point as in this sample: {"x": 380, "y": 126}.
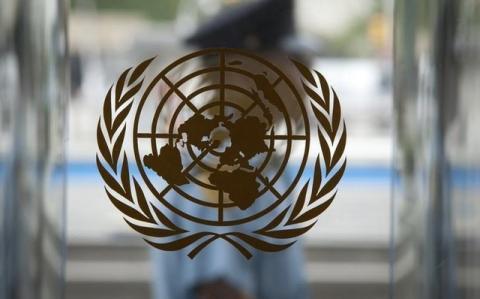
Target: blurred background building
{"x": 403, "y": 224}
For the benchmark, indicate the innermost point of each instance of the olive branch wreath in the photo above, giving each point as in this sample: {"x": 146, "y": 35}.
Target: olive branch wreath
{"x": 127, "y": 196}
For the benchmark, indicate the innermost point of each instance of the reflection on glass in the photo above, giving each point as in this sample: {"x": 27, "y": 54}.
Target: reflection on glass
{"x": 349, "y": 43}
{"x": 33, "y": 94}
{"x": 436, "y": 190}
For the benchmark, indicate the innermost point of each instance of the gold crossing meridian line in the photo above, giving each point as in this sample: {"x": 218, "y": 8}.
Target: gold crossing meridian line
{"x": 157, "y": 135}
{"x": 254, "y": 104}
{"x": 279, "y": 79}
{"x": 220, "y": 205}
{"x": 275, "y": 137}
{"x": 269, "y": 186}
{"x": 222, "y": 83}
{"x": 180, "y": 94}
{"x": 249, "y": 109}
{"x": 286, "y": 137}
{"x": 188, "y": 168}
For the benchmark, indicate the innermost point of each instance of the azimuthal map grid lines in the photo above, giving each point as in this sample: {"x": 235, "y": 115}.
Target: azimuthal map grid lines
{"x": 235, "y": 169}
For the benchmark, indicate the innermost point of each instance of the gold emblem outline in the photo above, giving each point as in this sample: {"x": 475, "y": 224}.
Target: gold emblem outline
{"x": 293, "y": 221}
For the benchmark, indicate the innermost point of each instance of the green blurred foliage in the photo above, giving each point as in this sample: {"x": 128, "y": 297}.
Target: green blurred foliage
{"x": 354, "y": 41}
{"x": 155, "y": 9}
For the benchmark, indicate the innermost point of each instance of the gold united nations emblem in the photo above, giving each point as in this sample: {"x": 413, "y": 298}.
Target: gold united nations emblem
{"x": 221, "y": 144}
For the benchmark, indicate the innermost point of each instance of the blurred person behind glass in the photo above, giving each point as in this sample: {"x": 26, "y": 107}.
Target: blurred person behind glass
{"x": 220, "y": 271}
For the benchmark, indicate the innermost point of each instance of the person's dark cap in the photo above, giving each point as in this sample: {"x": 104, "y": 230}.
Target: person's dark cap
{"x": 256, "y": 25}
